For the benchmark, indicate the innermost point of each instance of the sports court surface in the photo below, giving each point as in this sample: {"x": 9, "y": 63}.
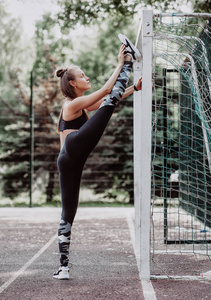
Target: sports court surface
{"x": 104, "y": 263}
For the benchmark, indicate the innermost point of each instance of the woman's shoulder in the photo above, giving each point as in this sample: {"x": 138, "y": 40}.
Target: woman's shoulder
{"x": 69, "y": 112}
{"x": 67, "y": 105}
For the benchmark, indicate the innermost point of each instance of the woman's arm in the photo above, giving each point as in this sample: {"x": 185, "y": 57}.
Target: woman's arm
{"x": 95, "y": 106}
{"x": 131, "y": 88}
{"x": 128, "y": 92}
{"x": 85, "y": 102}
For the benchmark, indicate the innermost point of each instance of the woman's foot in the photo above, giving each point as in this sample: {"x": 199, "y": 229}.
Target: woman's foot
{"x": 62, "y": 273}
{"x": 130, "y": 48}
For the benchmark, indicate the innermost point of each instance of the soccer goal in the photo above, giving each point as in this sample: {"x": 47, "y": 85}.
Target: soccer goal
{"x": 172, "y": 138}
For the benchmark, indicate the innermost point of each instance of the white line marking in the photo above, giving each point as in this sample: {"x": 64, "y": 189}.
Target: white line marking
{"x": 148, "y": 290}
{"x": 19, "y": 272}
{"x": 131, "y": 229}
{"x": 207, "y": 274}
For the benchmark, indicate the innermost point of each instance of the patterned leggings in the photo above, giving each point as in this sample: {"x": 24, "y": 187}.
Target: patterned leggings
{"x": 77, "y": 147}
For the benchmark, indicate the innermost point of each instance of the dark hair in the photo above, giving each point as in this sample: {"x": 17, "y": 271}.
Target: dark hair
{"x": 67, "y": 90}
{"x": 65, "y": 76}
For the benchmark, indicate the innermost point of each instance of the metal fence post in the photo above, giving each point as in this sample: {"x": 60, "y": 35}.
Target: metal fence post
{"x": 31, "y": 164}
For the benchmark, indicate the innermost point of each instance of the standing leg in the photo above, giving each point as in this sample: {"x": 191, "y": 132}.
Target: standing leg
{"x": 64, "y": 233}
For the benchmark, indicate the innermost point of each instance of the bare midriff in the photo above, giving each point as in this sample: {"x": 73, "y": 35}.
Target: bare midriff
{"x": 63, "y": 135}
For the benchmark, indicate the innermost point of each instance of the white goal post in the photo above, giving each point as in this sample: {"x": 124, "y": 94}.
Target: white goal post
{"x": 142, "y": 144}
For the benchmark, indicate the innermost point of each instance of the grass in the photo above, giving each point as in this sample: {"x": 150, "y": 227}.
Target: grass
{"x": 87, "y": 199}
{"x": 104, "y": 204}
{"x": 81, "y": 204}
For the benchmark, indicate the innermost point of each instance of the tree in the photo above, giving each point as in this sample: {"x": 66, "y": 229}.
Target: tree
{"x": 86, "y": 12}
{"x": 15, "y": 102}
{"x": 13, "y": 57}
{"x": 48, "y": 35}
{"x": 47, "y": 98}
{"x": 202, "y": 6}
{"x": 16, "y": 140}
{"x": 16, "y": 51}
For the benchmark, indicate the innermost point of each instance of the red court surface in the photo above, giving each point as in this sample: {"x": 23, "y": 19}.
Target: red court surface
{"x": 104, "y": 264}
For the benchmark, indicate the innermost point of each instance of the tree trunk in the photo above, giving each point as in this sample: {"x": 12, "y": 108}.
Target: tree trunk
{"x": 50, "y": 187}
{"x": 131, "y": 197}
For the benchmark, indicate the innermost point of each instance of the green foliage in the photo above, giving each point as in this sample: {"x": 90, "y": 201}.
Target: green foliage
{"x": 86, "y": 12}
{"x": 9, "y": 35}
{"x": 99, "y": 59}
{"x": 49, "y": 40}
{"x": 74, "y": 12}
{"x": 202, "y": 6}
{"x": 15, "y": 141}
{"x": 14, "y": 159}
{"x": 14, "y": 47}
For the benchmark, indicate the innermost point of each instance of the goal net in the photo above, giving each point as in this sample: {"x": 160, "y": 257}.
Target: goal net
{"x": 181, "y": 140}
{"x": 181, "y": 134}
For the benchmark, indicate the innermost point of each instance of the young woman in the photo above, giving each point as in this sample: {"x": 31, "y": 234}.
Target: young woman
{"x": 79, "y": 135}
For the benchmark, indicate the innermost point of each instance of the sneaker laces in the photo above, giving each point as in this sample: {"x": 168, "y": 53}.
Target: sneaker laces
{"x": 130, "y": 50}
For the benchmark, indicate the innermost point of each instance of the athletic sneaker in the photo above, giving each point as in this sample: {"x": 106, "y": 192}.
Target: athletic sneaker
{"x": 62, "y": 273}
{"x": 129, "y": 47}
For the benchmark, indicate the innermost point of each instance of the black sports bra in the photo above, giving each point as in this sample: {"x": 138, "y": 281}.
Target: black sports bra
{"x": 73, "y": 124}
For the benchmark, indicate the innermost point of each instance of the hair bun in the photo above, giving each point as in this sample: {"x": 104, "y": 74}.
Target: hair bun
{"x": 60, "y": 72}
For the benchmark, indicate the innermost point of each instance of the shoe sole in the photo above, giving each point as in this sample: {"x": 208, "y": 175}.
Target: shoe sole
{"x": 126, "y": 40}
{"x": 61, "y": 277}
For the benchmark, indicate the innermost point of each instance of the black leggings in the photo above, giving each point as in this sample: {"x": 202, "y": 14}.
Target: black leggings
{"x": 77, "y": 147}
